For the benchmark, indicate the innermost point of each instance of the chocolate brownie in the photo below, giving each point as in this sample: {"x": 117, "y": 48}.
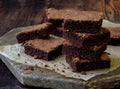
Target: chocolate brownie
{"x": 114, "y": 42}
{"x": 58, "y": 32}
{"x": 91, "y": 53}
{"x": 83, "y": 21}
{"x": 55, "y": 16}
{"x": 46, "y": 49}
{"x": 39, "y": 31}
{"x": 115, "y": 35}
{"x": 79, "y": 65}
{"x": 87, "y": 39}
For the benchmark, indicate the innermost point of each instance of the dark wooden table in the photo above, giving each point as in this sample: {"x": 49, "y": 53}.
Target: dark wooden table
{"x": 18, "y": 13}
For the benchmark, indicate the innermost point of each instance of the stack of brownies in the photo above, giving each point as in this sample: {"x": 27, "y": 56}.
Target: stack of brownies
{"x": 38, "y": 42}
{"x": 85, "y": 41}
{"x": 56, "y": 17}
{"x": 84, "y": 44}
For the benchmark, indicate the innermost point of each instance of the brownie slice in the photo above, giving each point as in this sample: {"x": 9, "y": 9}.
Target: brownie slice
{"x": 115, "y": 35}
{"x": 79, "y": 65}
{"x": 39, "y": 31}
{"x": 58, "y": 32}
{"x": 46, "y": 49}
{"x": 55, "y": 16}
{"x": 91, "y": 53}
{"x": 83, "y": 21}
{"x": 87, "y": 39}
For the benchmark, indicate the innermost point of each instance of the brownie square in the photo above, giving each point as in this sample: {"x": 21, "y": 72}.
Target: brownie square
{"x": 58, "y": 32}
{"x": 79, "y": 65}
{"x": 46, "y": 49}
{"x": 115, "y": 34}
{"x": 55, "y": 16}
{"x": 91, "y": 53}
{"x": 36, "y": 32}
{"x": 83, "y": 21}
{"x": 87, "y": 40}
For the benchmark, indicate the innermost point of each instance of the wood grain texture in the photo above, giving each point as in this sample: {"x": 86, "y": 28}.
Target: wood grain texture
{"x": 17, "y": 13}
{"x": 111, "y": 9}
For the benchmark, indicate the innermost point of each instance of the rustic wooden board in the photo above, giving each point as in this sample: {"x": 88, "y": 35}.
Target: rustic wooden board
{"x": 17, "y": 13}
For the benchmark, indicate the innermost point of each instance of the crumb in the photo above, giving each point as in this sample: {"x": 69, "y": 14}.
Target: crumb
{"x": 46, "y": 66}
{"x": 29, "y": 68}
{"x": 41, "y": 71}
{"x": 18, "y": 55}
{"x": 108, "y": 53}
{"x": 83, "y": 72}
{"x": 68, "y": 68}
{"x": 63, "y": 71}
{"x": 54, "y": 65}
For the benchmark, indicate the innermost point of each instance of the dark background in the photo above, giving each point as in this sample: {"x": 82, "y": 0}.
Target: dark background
{"x": 18, "y": 13}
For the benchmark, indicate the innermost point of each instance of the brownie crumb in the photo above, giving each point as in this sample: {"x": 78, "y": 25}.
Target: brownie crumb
{"x": 63, "y": 71}
{"x": 46, "y": 66}
{"x": 68, "y": 68}
{"x": 18, "y": 55}
{"x": 30, "y": 68}
{"x": 54, "y": 65}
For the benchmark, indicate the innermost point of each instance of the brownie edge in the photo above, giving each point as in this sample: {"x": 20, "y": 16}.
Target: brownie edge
{"x": 84, "y": 21}
{"x": 91, "y": 53}
{"x": 46, "y": 49}
{"x": 36, "y": 32}
{"x": 87, "y": 39}
{"x": 79, "y": 65}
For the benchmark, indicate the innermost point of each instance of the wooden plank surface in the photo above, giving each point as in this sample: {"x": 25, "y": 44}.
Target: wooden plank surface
{"x": 17, "y": 13}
